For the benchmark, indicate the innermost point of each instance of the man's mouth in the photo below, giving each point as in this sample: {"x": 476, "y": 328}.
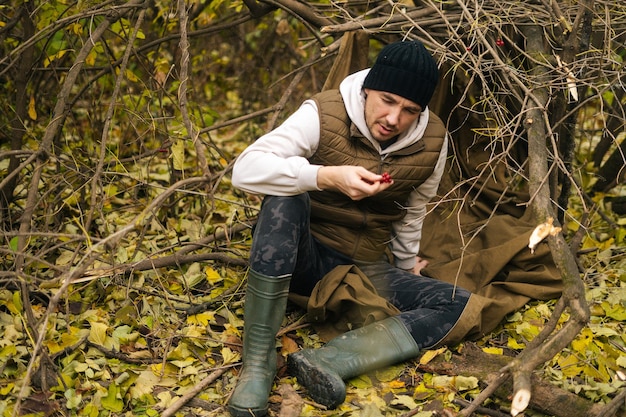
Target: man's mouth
{"x": 385, "y": 130}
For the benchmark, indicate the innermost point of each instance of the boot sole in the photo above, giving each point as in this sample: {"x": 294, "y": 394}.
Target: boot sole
{"x": 324, "y": 388}
{"x": 247, "y": 412}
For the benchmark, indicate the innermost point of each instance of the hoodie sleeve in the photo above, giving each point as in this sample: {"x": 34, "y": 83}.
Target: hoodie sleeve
{"x": 276, "y": 163}
{"x": 408, "y": 231}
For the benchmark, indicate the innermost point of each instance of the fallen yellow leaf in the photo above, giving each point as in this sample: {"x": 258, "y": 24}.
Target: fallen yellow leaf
{"x": 493, "y": 350}
{"x": 429, "y": 355}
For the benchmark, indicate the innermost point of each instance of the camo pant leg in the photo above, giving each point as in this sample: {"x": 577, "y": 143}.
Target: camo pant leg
{"x": 430, "y": 308}
{"x": 282, "y": 244}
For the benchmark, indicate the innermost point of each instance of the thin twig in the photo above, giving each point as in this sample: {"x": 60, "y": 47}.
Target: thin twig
{"x": 171, "y": 410}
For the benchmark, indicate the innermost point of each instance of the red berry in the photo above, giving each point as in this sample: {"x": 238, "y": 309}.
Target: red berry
{"x": 386, "y": 178}
{"x": 500, "y": 42}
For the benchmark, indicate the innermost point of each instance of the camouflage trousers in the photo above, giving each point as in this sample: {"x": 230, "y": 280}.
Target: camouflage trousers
{"x": 283, "y": 245}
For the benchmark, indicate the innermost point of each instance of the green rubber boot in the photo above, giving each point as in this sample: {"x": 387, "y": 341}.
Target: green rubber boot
{"x": 264, "y": 310}
{"x": 323, "y": 371}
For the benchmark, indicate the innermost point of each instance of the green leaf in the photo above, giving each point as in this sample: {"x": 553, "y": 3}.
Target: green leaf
{"x": 73, "y": 399}
{"x": 16, "y": 306}
{"x": 90, "y": 410}
{"x": 113, "y": 400}
{"x": 617, "y": 312}
{"x": 124, "y": 334}
{"x": 389, "y": 373}
{"x": 194, "y": 275}
{"x": 465, "y": 383}
{"x": 362, "y": 381}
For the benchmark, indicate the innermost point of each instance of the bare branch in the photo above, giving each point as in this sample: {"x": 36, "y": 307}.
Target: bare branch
{"x": 182, "y": 91}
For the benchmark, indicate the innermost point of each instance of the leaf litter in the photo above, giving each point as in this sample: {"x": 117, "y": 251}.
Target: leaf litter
{"x": 124, "y": 344}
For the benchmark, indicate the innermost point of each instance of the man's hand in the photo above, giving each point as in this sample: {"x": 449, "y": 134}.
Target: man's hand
{"x": 355, "y": 182}
{"x": 419, "y": 265}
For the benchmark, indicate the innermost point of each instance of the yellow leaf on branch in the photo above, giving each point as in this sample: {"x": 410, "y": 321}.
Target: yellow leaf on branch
{"x": 178, "y": 155}
{"x": 32, "y": 112}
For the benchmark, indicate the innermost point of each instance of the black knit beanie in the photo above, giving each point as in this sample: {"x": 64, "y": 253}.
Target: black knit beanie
{"x": 407, "y": 69}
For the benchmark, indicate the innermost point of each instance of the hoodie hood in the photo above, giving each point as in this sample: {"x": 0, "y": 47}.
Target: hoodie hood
{"x": 351, "y": 89}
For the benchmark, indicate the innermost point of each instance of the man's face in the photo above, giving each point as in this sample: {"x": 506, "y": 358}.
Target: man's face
{"x": 387, "y": 115}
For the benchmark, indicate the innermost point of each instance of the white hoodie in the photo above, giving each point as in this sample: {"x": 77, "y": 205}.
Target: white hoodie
{"x": 277, "y": 164}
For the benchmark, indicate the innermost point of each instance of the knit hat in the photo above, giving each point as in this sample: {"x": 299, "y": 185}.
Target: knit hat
{"x": 407, "y": 69}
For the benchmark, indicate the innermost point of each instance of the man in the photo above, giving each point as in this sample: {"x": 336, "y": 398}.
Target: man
{"x": 346, "y": 178}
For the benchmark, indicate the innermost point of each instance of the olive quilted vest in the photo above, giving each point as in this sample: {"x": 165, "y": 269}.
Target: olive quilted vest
{"x": 362, "y": 229}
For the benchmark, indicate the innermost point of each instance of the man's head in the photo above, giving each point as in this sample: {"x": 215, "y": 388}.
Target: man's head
{"x": 407, "y": 69}
{"x": 398, "y": 88}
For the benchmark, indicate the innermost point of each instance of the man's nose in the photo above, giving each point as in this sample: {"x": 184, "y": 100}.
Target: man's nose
{"x": 393, "y": 116}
